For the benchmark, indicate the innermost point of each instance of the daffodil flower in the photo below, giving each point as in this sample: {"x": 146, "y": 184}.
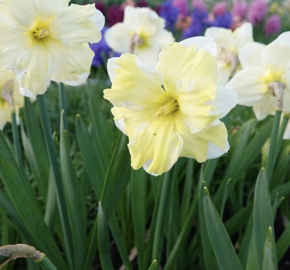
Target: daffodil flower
{"x": 141, "y": 33}
{"x": 47, "y": 40}
{"x": 171, "y": 111}
{"x": 264, "y": 82}
{"x": 10, "y": 98}
{"x": 229, "y": 44}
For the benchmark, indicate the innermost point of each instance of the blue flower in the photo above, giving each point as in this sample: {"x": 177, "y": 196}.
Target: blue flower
{"x": 169, "y": 13}
{"x": 224, "y": 20}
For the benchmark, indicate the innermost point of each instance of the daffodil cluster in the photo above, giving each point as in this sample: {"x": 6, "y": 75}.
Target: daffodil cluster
{"x": 47, "y": 40}
{"x": 174, "y": 110}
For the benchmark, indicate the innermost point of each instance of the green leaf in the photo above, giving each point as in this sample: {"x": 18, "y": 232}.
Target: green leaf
{"x": 224, "y": 251}
{"x": 23, "y": 199}
{"x": 116, "y": 176}
{"x": 153, "y": 266}
{"x": 104, "y": 241}
{"x": 225, "y": 197}
{"x": 74, "y": 198}
{"x": 262, "y": 215}
{"x": 283, "y": 243}
{"x": 269, "y": 253}
{"x": 138, "y": 198}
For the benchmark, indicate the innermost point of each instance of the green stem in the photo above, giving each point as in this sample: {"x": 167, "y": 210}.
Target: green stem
{"x": 59, "y": 190}
{"x": 272, "y": 151}
{"x": 16, "y": 141}
{"x": 162, "y": 211}
{"x": 62, "y": 105}
{"x": 46, "y": 264}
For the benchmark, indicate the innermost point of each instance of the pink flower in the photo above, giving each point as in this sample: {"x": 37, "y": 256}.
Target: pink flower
{"x": 220, "y": 8}
{"x": 273, "y": 25}
{"x": 258, "y": 11}
{"x": 199, "y": 4}
{"x": 182, "y": 5}
{"x": 240, "y": 9}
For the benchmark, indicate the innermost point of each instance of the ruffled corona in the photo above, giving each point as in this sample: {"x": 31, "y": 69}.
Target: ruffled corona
{"x": 171, "y": 111}
{"x": 47, "y": 40}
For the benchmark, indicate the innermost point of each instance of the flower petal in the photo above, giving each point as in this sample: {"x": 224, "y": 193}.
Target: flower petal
{"x": 12, "y": 44}
{"x": 215, "y": 151}
{"x": 136, "y": 85}
{"x": 73, "y": 65}
{"x": 5, "y": 112}
{"x": 226, "y": 99}
{"x": 223, "y": 73}
{"x": 243, "y": 35}
{"x": 77, "y": 24}
{"x": 204, "y": 43}
{"x": 34, "y": 69}
{"x": 251, "y": 55}
{"x": 148, "y": 55}
{"x": 158, "y": 142}
{"x": 287, "y": 132}
{"x": 118, "y": 37}
{"x": 248, "y": 85}
{"x": 286, "y": 100}
{"x": 265, "y": 107}
{"x": 111, "y": 66}
{"x": 49, "y": 8}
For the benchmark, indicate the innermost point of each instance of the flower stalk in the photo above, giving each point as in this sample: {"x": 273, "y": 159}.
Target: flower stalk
{"x": 62, "y": 104}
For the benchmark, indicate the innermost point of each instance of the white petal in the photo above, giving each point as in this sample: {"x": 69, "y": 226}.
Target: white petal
{"x": 283, "y": 39}
{"x": 215, "y": 151}
{"x": 148, "y": 56}
{"x": 77, "y": 24}
{"x": 226, "y": 100}
{"x": 147, "y": 165}
{"x": 265, "y": 106}
{"x": 121, "y": 125}
{"x": 287, "y": 132}
{"x": 223, "y": 73}
{"x": 243, "y": 35}
{"x": 118, "y": 37}
{"x": 4, "y": 114}
{"x": 49, "y": 8}
{"x": 34, "y": 69}
{"x": 204, "y": 43}
{"x": 251, "y": 55}
{"x": 111, "y": 66}
{"x": 286, "y": 100}
{"x": 248, "y": 85}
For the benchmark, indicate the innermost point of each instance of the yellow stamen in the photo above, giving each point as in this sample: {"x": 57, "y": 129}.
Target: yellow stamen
{"x": 169, "y": 107}
{"x": 41, "y": 33}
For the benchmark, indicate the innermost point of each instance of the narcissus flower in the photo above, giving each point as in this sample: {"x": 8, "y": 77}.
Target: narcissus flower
{"x": 10, "y": 97}
{"x": 142, "y": 33}
{"x": 47, "y": 40}
{"x": 171, "y": 111}
{"x": 229, "y": 44}
{"x": 264, "y": 81}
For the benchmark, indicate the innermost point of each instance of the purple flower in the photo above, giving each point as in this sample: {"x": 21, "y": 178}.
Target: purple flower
{"x": 220, "y": 8}
{"x": 199, "y": 4}
{"x": 182, "y": 5}
{"x": 199, "y": 23}
{"x": 258, "y": 11}
{"x": 224, "y": 20}
{"x": 102, "y": 50}
{"x": 169, "y": 13}
{"x": 273, "y": 25}
{"x": 100, "y": 6}
{"x": 142, "y": 3}
{"x": 240, "y": 9}
{"x": 115, "y": 14}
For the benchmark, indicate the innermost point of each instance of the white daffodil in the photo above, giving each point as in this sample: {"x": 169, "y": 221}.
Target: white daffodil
{"x": 229, "y": 44}
{"x": 141, "y": 33}
{"x": 264, "y": 81}
{"x": 45, "y": 40}
{"x": 10, "y": 98}
{"x": 174, "y": 110}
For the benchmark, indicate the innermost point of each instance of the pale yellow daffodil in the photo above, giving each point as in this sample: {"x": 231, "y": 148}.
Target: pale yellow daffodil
{"x": 45, "y": 40}
{"x": 229, "y": 44}
{"x": 10, "y": 97}
{"x": 174, "y": 110}
{"x": 141, "y": 33}
{"x": 264, "y": 66}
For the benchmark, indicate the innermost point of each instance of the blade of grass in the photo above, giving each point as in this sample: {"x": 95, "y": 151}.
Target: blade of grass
{"x": 269, "y": 254}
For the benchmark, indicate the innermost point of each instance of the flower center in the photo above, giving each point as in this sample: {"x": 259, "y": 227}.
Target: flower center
{"x": 40, "y": 33}
{"x": 169, "y": 107}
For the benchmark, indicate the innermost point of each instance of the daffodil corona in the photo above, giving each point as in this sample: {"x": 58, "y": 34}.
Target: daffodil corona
{"x": 229, "y": 44}
{"x": 141, "y": 33}
{"x": 10, "y": 98}
{"x": 171, "y": 111}
{"x": 47, "y": 40}
{"x": 264, "y": 82}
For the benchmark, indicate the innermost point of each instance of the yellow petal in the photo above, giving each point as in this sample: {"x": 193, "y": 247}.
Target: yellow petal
{"x": 73, "y": 65}
{"x": 157, "y": 142}
{"x": 5, "y": 112}
{"x": 77, "y": 24}
{"x": 34, "y": 69}
{"x": 265, "y": 107}
{"x": 136, "y": 86}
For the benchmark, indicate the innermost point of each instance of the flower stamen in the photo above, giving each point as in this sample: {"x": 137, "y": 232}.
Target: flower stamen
{"x": 169, "y": 107}
{"x": 41, "y": 33}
